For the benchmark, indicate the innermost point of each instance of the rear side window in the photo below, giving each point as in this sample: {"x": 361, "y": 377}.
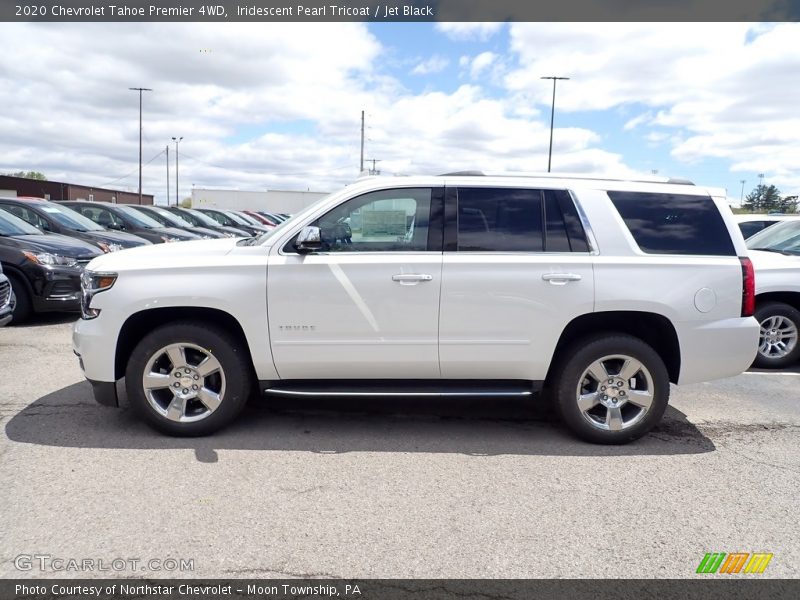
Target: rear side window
{"x": 674, "y": 223}
{"x": 499, "y": 220}
{"x": 563, "y": 232}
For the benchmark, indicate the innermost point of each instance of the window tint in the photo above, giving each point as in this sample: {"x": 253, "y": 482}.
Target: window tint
{"x": 674, "y": 223}
{"x": 564, "y": 232}
{"x": 382, "y": 221}
{"x": 499, "y": 220}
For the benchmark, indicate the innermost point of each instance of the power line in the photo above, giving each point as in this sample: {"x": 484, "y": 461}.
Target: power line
{"x": 132, "y": 172}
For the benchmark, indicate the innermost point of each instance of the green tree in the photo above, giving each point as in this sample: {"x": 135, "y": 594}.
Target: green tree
{"x": 764, "y": 198}
{"x": 30, "y": 175}
{"x": 789, "y": 204}
{"x": 186, "y": 202}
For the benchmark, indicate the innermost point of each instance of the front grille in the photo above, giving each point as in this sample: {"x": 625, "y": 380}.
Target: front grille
{"x": 5, "y": 293}
{"x": 63, "y": 288}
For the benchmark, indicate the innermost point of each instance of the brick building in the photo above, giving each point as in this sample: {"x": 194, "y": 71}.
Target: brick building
{"x": 54, "y": 190}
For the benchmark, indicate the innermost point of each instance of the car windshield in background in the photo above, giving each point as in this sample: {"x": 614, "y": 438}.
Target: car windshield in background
{"x": 201, "y": 218}
{"x": 236, "y": 218}
{"x": 172, "y": 218}
{"x": 138, "y": 218}
{"x": 782, "y": 237}
{"x": 70, "y": 218}
{"x": 249, "y": 220}
{"x": 11, "y": 225}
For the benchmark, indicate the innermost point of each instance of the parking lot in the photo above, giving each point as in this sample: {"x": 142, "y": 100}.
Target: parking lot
{"x": 391, "y": 488}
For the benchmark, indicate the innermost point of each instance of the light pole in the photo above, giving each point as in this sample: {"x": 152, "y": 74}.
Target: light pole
{"x": 140, "y": 90}
{"x": 177, "y": 141}
{"x": 552, "y": 116}
{"x": 741, "y": 198}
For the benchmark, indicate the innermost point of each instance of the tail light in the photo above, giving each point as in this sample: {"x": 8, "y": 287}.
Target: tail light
{"x": 748, "y": 288}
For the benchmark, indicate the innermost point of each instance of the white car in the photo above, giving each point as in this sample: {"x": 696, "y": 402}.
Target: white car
{"x": 751, "y": 224}
{"x": 599, "y": 292}
{"x": 776, "y": 257}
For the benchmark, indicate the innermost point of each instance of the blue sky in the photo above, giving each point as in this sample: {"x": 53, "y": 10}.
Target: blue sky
{"x": 264, "y": 106}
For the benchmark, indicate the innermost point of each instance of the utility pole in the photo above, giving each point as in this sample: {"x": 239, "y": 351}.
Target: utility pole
{"x": 552, "y": 116}
{"x": 361, "y": 167}
{"x": 741, "y": 199}
{"x": 177, "y": 141}
{"x": 373, "y": 170}
{"x": 140, "y": 90}
{"x": 167, "y": 174}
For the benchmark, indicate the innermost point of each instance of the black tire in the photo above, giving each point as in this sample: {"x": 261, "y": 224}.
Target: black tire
{"x": 24, "y": 307}
{"x": 786, "y": 312}
{"x": 235, "y": 371}
{"x": 568, "y": 375}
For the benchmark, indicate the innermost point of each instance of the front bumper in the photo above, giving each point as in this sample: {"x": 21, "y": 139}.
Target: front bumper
{"x": 57, "y": 289}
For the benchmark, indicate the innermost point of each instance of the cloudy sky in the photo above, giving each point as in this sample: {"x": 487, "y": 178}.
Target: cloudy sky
{"x": 264, "y": 106}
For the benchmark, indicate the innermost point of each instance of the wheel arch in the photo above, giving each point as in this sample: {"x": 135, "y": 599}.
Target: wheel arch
{"x": 654, "y": 329}
{"x": 790, "y": 298}
{"x": 143, "y": 322}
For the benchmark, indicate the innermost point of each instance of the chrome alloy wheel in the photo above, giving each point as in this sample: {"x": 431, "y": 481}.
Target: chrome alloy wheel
{"x": 183, "y": 382}
{"x": 615, "y": 392}
{"x": 778, "y": 337}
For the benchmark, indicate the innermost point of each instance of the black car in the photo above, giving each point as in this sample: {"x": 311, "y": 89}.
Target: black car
{"x": 51, "y": 217}
{"x": 199, "y": 219}
{"x": 120, "y": 217}
{"x": 169, "y": 219}
{"x": 44, "y": 269}
{"x": 231, "y": 219}
{"x": 6, "y": 298}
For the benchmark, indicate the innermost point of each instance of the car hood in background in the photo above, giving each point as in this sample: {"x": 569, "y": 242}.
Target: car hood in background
{"x": 54, "y": 243}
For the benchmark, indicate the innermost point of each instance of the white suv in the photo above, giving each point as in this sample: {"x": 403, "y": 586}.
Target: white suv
{"x": 598, "y": 292}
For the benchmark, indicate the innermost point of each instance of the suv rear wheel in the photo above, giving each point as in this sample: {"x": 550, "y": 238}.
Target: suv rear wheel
{"x": 188, "y": 379}
{"x": 611, "y": 389}
{"x": 778, "y": 345}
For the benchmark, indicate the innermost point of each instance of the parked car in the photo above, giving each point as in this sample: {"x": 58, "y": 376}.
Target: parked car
{"x": 775, "y": 252}
{"x": 6, "y": 299}
{"x": 44, "y": 269}
{"x": 170, "y": 219}
{"x": 199, "y": 219}
{"x": 598, "y": 292}
{"x": 262, "y": 218}
{"x": 51, "y": 217}
{"x": 751, "y": 224}
{"x": 231, "y": 219}
{"x": 121, "y": 217}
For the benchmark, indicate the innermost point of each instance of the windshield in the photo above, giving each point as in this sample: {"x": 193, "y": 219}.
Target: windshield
{"x": 138, "y": 219}
{"x": 171, "y": 217}
{"x": 781, "y": 237}
{"x": 249, "y": 220}
{"x": 69, "y": 218}
{"x": 201, "y": 218}
{"x": 11, "y": 225}
{"x": 235, "y": 217}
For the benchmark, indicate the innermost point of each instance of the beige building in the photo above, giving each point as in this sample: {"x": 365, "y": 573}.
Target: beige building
{"x": 276, "y": 201}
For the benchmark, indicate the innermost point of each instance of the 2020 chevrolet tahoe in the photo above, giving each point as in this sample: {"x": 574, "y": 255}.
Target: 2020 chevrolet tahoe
{"x": 597, "y": 292}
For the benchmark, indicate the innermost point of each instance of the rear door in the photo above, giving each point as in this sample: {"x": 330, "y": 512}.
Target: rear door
{"x": 517, "y": 268}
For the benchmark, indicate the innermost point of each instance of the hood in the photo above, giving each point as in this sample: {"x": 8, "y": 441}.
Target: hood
{"x": 175, "y": 232}
{"x": 773, "y": 260}
{"x": 174, "y": 254}
{"x": 54, "y": 243}
{"x": 126, "y": 240}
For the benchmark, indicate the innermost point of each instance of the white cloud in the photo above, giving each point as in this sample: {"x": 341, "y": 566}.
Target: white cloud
{"x": 469, "y": 31}
{"x": 434, "y": 64}
{"x": 480, "y": 63}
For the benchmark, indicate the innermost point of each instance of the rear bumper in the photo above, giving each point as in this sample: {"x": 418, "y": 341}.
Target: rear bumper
{"x": 716, "y": 349}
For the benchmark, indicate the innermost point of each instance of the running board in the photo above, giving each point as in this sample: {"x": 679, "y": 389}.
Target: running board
{"x": 434, "y": 388}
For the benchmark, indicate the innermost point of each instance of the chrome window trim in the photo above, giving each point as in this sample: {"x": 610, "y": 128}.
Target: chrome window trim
{"x": 587, "y": 227}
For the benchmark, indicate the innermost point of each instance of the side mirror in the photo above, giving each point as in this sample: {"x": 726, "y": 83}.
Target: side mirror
{"x": 309, "y": 240}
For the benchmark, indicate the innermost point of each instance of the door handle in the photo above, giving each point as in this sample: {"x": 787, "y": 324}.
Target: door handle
{"x": 561, "y": 278}
{"x": 411, "y": 278}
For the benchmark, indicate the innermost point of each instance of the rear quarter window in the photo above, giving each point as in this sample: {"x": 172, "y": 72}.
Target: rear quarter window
{"x": 674, "y": 223}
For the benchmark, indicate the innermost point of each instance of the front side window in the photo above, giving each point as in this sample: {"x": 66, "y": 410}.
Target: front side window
{"x": 384, "y": 221}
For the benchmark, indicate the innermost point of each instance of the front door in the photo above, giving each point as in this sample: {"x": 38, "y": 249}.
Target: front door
{"x": 367, "y": 305}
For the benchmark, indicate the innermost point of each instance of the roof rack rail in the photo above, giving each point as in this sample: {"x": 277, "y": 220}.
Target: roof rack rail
{"x": 653, "y": 179}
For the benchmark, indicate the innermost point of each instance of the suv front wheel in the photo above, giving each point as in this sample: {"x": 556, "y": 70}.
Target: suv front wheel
{"x": 188, "y": 379}
{"x": 611, "y": 389}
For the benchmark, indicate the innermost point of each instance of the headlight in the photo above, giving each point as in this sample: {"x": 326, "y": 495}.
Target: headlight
{"x": 46, "y": 258}
{"x": 91, "y": 284}
{"x": 166, "y": 239}
{"x": 109, "y": 247}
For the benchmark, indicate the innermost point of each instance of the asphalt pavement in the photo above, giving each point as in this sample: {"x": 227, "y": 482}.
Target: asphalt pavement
{"x": 399, "y": 488}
